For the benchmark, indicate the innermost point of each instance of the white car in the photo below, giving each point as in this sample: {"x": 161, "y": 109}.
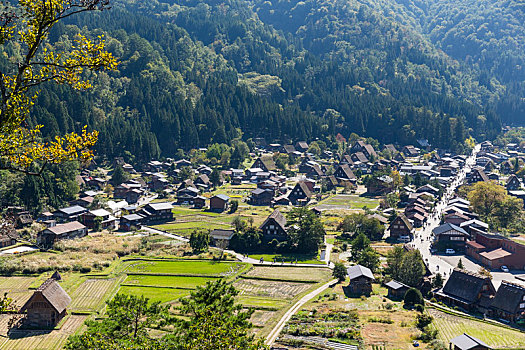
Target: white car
{"x": 504, "y": 268}
{"x": 450, "y": 251}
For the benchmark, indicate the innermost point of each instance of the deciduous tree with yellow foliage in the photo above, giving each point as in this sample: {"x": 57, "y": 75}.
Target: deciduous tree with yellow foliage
{"x": 27, "y": 25}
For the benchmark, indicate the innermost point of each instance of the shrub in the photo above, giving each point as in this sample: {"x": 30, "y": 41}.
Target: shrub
{"x": 412, "y": 297}
{"x": 420, "y": 307}
{"x": 423, "y": 320}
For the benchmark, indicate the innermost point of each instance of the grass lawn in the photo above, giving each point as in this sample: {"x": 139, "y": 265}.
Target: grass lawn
{"x": 450, "y": 326}
{"x": 163, "y": 295}
{"x": 301, "y": 258}
{"x": 167, "y": 281}
{"x": 185, "y": 267}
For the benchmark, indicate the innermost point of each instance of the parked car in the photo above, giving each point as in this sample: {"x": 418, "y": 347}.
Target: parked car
{"x": 504, "y": 268}
{"x": 450, "y": 251}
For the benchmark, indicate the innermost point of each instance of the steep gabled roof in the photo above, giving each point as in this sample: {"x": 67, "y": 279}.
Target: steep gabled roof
{"x": 465, "y": 285}
{"x": 279, "y": 218}
{"x": 508, "y": 297}
{"x": 349, "y": 174}
{"x": 268, "y": 163}
{"x": 53, "y": 293}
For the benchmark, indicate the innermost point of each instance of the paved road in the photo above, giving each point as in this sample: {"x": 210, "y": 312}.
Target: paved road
{"x": 270, "y": 339}
{"x": 446, "y": 263}
{"x": 423, "y": 238}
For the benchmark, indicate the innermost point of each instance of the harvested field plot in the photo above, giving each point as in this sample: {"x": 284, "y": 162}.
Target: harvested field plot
{"x": 291, "y": 273}
{"x": 272, "y": 289}
{"x": 164, "y": 295}
{"x": 258, "y": 302}
{"x": 450, "y": 326}
{"x": 260, "y": 317}
{"x": 185, "y": 267}
{"x": 91, "y": 294}
{"x": 167, "y": 281}
{"x": 348, "y": 201}
{"x": 17, "y": 288}
{"x": 40, "y": 340}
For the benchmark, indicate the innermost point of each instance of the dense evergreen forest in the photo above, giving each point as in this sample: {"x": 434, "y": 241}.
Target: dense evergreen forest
{"x": 193, "y": 73}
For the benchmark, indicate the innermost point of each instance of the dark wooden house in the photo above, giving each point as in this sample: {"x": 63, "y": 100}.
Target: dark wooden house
{"x": 300, "y": 194}
{"x": 509, "y": 302}
{"x": 513, "y": 183}
{"x": 468, "y": 290}
{"x": 343, "y": 172}
{"x": 265, "y": 163}
{"x": 477, "y": 175}
{"x": 401, "y": 226}
{"x": 157, "y": 212}
{"x": 396, "y": 290}
{"x": 361, "y": 279}
{"x": 261, "y": 196}
{"x": 69, "y": 230}
{"x": 219, "y": 202}
{"x": 129, "y": 221}
{"x": 450, "y": 236}
{"x": 274, "y": 227}
{"x": 47, "y": 306}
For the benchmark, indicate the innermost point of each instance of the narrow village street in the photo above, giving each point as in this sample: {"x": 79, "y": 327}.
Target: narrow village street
{"x": 424, "y": 237}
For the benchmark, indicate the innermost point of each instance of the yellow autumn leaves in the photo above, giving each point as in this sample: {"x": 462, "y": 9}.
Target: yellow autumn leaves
{"x": 21, "y": 146}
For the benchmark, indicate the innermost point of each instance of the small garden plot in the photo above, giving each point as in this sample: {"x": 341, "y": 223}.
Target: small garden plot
{"x": 55, "y": 339}
{"x": 291, "y": 273}
{"x": 167, "y": 281}
{"x": 261, "y": 303}
{"x": 17, "y": 288}
{"x": 272, "y": 289}
{"x": 91, "y": 294}
{"x": 341, "y": 325}
{"x": 450, "y": 326}
{"x": 185, "y": 267}
{"x": 163, "y": 295}
{"x": 393, "y": 328}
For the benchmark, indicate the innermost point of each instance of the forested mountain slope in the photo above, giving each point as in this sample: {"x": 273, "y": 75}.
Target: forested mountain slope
{"x": 196, "y": 72}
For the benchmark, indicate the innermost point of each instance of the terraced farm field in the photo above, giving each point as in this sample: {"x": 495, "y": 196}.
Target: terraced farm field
{"x": 17, "y": 288}
{"x": 36, "y": 340}
{"x": 291, "y": 273}
{"x": 271, "y": 289}
{"x": 450, "y": 326}
{"x": 163, "y": 295}
{"x": 182, "y": 267}
{"x": 90, "y": 295}
{"x": 261, "y": 303}
{"x": 167, "y": 281}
